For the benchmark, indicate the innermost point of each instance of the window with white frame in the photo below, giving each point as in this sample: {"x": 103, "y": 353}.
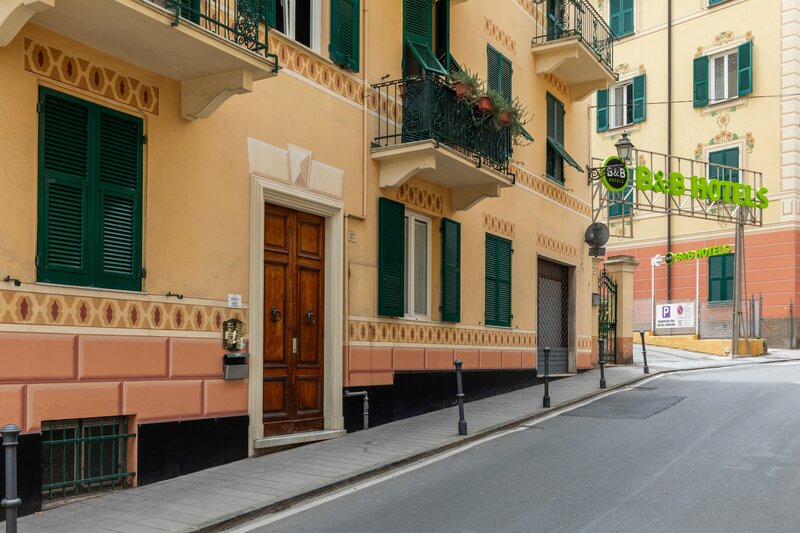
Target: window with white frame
{"x": 300, "y": 20}
{"x": 418, "y": 265}
{"x": 723, "y": 74}
{"x": 621, "y": 103}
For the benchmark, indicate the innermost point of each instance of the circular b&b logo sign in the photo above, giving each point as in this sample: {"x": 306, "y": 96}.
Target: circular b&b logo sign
{"x": 615, "y": 174}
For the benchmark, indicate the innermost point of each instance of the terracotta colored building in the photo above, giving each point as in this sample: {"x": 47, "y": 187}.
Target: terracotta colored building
{"x": 307, "y": 167}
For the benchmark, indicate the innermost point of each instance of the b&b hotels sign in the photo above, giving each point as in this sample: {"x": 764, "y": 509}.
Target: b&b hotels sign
{"x": 617, "y": 176}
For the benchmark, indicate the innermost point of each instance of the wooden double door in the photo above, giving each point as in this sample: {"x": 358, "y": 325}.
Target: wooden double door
{"x": 294, "y": 272}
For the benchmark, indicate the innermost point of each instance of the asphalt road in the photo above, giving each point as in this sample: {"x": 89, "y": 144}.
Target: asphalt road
{"x": 711, "y": 451}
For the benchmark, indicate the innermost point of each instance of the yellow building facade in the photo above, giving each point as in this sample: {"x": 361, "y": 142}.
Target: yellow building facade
{"x": 307, "y": 168}
{"x": 714, "y": 82}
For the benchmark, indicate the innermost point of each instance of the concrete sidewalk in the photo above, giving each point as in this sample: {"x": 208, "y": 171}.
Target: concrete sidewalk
{"x": 212, "y": 499}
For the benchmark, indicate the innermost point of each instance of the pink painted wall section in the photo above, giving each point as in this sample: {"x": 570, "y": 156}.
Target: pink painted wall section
{"x": 58, "y": 377}
{"x": 772, "y": 260}
{"x": 367, "y": 366}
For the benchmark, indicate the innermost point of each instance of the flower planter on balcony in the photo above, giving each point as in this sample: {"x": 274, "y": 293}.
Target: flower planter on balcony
{"x": 485, "y": 105}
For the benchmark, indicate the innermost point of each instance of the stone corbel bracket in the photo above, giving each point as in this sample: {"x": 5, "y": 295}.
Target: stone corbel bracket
{"x": 200, "y": 97}
{"x": 14, "y": 14}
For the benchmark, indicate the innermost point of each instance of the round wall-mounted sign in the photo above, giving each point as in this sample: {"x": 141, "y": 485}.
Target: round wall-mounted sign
{"x": 615, "y": 174}
{"x": 669, "y": 258}
{"x": 596, "y": 234}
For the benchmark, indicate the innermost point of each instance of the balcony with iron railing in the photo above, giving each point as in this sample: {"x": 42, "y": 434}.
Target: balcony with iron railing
{"x": 215, "y": 48}
{"x": 424, "y": 129}
{"x": 577, "y": 45}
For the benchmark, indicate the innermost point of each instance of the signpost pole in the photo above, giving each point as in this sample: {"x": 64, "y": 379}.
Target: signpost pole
{"x": 737, "y": 284}
{"x": 653, "y": 296}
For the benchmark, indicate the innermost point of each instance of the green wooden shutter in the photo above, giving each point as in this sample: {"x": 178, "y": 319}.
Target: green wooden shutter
{"x": 627, "y": 17}
{"x": 729, "y": 157}
{"x": 118, "y": 201}
{"x": 716, "y": 273}
{"x": 506, "y": 71}
{"x": 344, "y": 46}
{"x": 602, "y": 110}
{"x": 715, "y": 158}
{"x": 272, "y": 13}
{"x": 624, "y": 199}
{"x": 729, "y": 271}
{"x": 391, "y": 258}
{"x": 443, "y": 34}
{"x": 640, "y": 98}
{"x": 64, "y": 167}
{"x": 498, "y": 281}
{"x": 615, "y": 18}
{"x": 492, "y": 69}
{"x": 451, "y": 270}
{"x": 417, "y": 21}
{"x": 558, "y": 119}
{"x": 503, "y": 282}
{"x": 701, "y": 81}
{"x": 490, "y": 307}
{"x": 746, "y": 68}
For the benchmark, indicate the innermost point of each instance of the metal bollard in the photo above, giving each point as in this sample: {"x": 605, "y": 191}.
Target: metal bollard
{"x": 462, "y": 422}
{"x": 644, "y": 353}
{"x": 10, "y": 434}
{"x": 546, "y": 399}
{"x": 600, "y": 342}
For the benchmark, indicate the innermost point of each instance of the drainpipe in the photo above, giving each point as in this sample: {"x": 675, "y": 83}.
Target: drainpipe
{"x": 365, "y": 408}
{"x": 669, "y": 140}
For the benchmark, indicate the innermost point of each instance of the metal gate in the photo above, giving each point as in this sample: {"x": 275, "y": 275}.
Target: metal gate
{"x": 607, "y": 315}
{"x": 553, "y": 316}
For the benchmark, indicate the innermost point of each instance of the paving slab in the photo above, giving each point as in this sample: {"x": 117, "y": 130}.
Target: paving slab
{"x": 213, "y": 499}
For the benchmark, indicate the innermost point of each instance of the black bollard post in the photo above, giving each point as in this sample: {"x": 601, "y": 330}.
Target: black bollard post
{"x": 600, "y": 342}
{"x": 546, "y": 399}
{"x": 462, "y": 423}
{"x": 644, "y": 354}
{"x": 10, "y": 434}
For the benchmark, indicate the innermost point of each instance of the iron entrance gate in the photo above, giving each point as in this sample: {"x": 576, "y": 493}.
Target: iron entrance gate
{"x": 607, "y": 315}
{"x": 553, "y": 316}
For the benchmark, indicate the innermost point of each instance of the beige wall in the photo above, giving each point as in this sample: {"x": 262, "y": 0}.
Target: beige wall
{"x": 197, "y": 227}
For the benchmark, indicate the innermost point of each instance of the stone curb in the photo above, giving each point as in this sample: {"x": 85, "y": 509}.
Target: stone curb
{"x": 224, "y": 523}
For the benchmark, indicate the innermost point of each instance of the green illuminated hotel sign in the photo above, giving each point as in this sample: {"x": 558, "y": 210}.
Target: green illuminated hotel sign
{"x": 616, "y": 178}
{"x": 675, "y": 257}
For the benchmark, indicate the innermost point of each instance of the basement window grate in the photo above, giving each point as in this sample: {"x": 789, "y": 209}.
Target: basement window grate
{"x": 84, "y": 456}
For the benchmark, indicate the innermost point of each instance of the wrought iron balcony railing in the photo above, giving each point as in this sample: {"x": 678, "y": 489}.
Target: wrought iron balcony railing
{"x": 578, "y": 18}
{"x": 427, "y": 108}
{"x": 242, "y": 22}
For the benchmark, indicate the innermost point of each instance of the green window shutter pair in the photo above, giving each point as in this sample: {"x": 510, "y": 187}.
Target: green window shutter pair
{"x": 720, "y": 278}
{"x": 499, "y": 72}
{"x": 392, "y": 267}
{"x": 498, "y": 281}
{"x": 639, "y": 104}
{"x": 621, "y": 19}
{"x": 729, "y": 158}
{"x": 344, "y": 46}
{"x": 745, "y": 74}
{"x": 90, "y": 194}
